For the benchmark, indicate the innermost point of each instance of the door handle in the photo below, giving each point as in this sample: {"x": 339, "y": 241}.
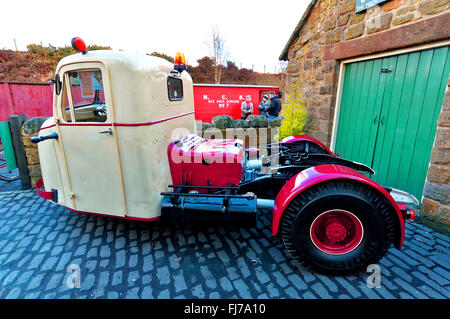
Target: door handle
{"x": 37, "y": 139}
{"x": 375, "y": 119}
{"x": 108, "y": 131}
{"x": 382, "y": 120}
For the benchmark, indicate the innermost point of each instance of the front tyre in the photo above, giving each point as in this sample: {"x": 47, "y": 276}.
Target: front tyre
{"x": 338, "y": 227}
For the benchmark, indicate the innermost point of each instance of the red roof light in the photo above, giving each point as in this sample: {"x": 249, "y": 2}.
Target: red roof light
{"x": 79, "y": 45}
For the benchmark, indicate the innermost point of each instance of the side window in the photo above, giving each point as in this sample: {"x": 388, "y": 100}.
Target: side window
{"x": 175, "y": 88}
{"x": 65, "y": 106}
{"x": 88, "y": 95}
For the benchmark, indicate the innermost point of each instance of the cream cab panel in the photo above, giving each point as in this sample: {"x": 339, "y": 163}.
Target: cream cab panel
{"x": 146, "y": 171}
{"x": 88, "y": 145}
{"x": 49, "y": 158}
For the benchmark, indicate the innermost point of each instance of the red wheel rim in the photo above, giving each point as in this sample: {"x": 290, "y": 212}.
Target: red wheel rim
{"x": 336, "y": 232}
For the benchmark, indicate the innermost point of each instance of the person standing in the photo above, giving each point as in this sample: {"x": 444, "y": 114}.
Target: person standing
{"x": 246, "y": 107}
{"x": 264, "y": 105}
{"x": 275, "y": 106}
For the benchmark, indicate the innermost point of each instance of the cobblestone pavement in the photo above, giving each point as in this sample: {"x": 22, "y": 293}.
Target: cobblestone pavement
{"x": 125, "y": 259}
{"x": 12, "y": 185}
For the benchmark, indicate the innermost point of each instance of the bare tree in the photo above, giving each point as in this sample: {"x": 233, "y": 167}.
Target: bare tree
{"x": 216, "y": 45}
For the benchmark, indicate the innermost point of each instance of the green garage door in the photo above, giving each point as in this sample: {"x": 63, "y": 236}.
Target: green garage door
{"x": 389, "y": 109}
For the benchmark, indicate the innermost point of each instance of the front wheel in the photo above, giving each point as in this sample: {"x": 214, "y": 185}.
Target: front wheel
{"x": 338, "y": 227}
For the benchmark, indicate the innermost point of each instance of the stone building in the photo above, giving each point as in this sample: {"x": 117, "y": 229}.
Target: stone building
{"x": 374, "y": 81}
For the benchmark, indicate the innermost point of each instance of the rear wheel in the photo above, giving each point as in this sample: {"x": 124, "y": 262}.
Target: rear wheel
{"x": 338, "y": 227}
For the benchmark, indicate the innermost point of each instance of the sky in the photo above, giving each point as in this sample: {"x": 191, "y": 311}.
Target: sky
{"x": 255, "y": 32}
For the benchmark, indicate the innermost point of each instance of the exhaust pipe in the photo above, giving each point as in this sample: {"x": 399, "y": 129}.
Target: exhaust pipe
{"x": 262, "y": 203}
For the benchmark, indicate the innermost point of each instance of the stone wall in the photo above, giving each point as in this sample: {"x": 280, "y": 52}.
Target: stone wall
{"x": 332, "y": 22}
{"x": 436, "y": 202}
{"x": 30, "y": 128}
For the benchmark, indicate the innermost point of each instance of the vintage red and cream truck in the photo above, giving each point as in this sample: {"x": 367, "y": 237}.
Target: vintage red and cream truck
{"x": 122, "y": 143}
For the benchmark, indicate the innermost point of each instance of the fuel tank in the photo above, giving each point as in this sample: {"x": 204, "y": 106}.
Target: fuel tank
{"x": 209, "y": 210}
{"x": 206, "y": 162}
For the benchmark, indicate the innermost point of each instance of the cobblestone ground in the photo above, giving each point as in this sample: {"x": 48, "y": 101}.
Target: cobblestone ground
{"x": 123, "y": 259}
{"x": 9, "y": 186}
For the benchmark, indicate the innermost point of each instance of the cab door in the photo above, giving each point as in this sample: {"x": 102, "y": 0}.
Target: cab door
{"x": 88, "y": 142}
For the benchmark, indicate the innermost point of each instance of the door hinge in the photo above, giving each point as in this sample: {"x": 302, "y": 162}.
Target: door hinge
{"x": 386, "y": 70}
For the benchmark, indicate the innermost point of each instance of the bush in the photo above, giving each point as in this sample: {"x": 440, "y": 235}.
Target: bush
{"x": 241, "y": 124}
{"x": 275, "y": 122}
{"x": 223, "y": 121}
{"x": 295, "y": 115}
{"x": 257, "y": 120}
{"x": 206, "y": 125}
{"x": 202, "y": 126}
{"x": 32, "y": 125}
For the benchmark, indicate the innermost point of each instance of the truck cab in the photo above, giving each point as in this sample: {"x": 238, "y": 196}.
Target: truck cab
{"x": 114, "y": 113}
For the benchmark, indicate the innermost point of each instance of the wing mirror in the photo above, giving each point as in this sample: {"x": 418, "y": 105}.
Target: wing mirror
{"x": 58, "y": 84}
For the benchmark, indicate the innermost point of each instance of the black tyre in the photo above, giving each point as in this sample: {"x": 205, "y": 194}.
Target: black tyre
{"x": 338, "y": 227}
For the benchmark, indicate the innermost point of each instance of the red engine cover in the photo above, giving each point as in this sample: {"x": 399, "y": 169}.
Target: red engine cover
{"x": 206, "y": 162}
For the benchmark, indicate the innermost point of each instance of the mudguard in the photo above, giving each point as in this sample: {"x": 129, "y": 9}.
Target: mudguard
{"x": 322, "y": 173}
{"x": 297, "y": 138}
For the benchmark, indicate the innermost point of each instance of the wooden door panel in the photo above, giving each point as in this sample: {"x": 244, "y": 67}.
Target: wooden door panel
{"x": 388, "y": 119}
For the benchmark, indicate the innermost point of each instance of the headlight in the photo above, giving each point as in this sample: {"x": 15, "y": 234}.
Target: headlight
{"x": 403, "y": 197}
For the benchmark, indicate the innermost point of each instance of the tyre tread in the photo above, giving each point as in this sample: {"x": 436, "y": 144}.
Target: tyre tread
{"x": 383, "y": 207}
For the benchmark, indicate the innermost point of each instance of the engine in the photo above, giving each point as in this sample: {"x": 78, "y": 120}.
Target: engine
{"x": 206, "y": 162}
